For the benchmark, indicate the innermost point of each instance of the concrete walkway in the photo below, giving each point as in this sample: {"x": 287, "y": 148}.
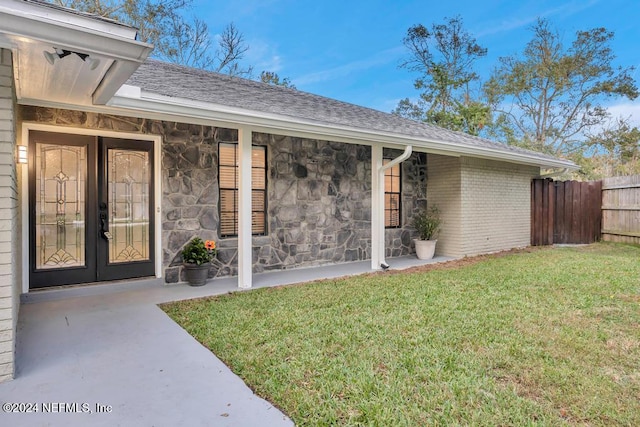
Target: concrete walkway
{"x": 113, "y": 353}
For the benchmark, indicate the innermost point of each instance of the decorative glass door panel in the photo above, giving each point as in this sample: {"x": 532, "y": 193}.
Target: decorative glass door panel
{"x": 125, "y": 214}
{"x": 61, "y": 176}
{"x": 90, "y": 209}
{"x": 128, "y": 190}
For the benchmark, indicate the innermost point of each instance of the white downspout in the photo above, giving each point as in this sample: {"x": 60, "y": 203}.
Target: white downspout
{"x": 377, "y": 202}
{"x": 401, "y": 158}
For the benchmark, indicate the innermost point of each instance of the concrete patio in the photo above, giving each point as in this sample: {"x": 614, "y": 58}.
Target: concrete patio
{"x": 110, "y": 350}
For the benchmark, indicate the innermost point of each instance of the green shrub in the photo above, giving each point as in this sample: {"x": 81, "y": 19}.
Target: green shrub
{"x": 199, "y": 252}
{"x": 427, "y": 223}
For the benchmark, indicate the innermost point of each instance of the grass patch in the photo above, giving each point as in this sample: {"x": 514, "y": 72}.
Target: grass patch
{"x": 547, "y": 337}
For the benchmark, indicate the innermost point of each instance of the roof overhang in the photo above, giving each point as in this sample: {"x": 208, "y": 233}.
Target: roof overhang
{"x": 30, "y": 28}
{"x": 156, "y": 106}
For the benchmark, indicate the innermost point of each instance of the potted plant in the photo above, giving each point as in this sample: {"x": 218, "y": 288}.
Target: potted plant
{"x": 196, "y": 260}
{"x": 427, "y": 224}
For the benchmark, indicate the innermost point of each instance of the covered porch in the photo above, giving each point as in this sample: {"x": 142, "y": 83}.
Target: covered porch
{"x": 155, "y": 290}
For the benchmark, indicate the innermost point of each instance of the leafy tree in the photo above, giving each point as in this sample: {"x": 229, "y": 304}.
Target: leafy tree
{"x": 177, "y": 40}
{"x": 614, "y": 150}
{"x": 444, "y": 57}
{"x": 273, "y": 78}
{"x": 550, "y": 96}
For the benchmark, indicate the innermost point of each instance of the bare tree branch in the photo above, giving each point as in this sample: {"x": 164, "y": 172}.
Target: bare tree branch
{"x": 231, "y": 49}
{"x": 176, "y": 39}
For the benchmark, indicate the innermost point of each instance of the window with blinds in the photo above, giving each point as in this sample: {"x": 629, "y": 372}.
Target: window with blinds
{"x": 228, "y": 179}
{"x": 392, "y": 194}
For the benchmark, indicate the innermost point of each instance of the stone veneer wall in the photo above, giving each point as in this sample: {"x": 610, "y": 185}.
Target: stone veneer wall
{"x": 189, "y": 173}
{"x": 319, "y": 202}
{"x": 319, "y": 194}
{"x": 9, "y": 221}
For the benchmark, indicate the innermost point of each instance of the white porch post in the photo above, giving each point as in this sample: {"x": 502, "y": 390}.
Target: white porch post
{"x": 377, "y": 207}
{"x": 245, "y": 276}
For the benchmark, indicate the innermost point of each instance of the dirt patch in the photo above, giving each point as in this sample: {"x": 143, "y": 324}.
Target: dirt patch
{"x": 446, "y": 265}
{"x": 464, "y": 262}
{"x": 630, "y": 298}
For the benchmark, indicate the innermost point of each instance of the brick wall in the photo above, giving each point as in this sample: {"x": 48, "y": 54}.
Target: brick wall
{"x": 485, "y": 204}
{"x": 444, "y": 189}
{"x": 9, "y": 240}
{"x": 496, "y": 205}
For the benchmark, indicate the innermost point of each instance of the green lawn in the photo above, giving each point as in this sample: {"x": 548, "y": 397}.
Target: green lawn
{"x": 542, "y": 337}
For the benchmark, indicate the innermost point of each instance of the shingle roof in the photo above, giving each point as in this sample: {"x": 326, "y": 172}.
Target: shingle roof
{"x": 205, "y": 86}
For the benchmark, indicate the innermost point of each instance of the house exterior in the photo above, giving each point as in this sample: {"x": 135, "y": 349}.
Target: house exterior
{"x": 110, "y": 162}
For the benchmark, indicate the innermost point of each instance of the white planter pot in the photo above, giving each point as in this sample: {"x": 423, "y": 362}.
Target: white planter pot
{"x": 425, "y": 248}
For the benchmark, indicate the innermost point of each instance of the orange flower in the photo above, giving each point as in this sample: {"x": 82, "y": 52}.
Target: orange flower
{"x": 210, "y": 244}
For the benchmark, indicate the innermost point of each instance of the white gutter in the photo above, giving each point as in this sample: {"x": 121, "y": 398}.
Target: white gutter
{"x": 164, "y": 106}
{"x": 66, "y": 16}
{"x": 30, "y": 22}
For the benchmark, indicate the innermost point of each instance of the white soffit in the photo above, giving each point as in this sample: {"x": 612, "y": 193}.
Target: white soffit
{"x": 30, "y": 29}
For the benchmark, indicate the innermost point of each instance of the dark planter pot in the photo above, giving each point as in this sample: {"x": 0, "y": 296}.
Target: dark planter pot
{"x": 196, "y": 274}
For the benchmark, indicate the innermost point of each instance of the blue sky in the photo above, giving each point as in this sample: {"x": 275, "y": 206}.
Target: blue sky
{"x": 350, "y": 49}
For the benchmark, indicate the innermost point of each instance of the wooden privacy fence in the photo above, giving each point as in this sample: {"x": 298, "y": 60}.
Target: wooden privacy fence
{"x": 565, "y": 212}
{"x": 621, "y": 209}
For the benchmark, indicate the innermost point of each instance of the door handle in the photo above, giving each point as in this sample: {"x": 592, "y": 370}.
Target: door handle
{"x": 103, "y": 227}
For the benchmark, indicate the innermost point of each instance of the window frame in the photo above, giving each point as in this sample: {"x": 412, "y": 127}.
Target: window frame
{"x": 221, "y": 189}
{"x": 389, "y": 173}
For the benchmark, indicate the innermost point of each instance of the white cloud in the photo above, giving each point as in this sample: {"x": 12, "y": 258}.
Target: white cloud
{"x": 263, "y": 56}
{"x": 507, "y": 25}
{"x": 379, "y": 58}
{"x": 515, "y": 22}
{"x": 630, "y": 110}
{"x": 387, "y": 105}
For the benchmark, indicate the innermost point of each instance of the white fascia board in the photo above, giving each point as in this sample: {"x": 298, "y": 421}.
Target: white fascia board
{"x": 58, "y": 14}
{"x": 128, "y": 91}
{"x": 170, "y": 106}
{"x": 114, "y": 78}
{"x": 89, "y": 38}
